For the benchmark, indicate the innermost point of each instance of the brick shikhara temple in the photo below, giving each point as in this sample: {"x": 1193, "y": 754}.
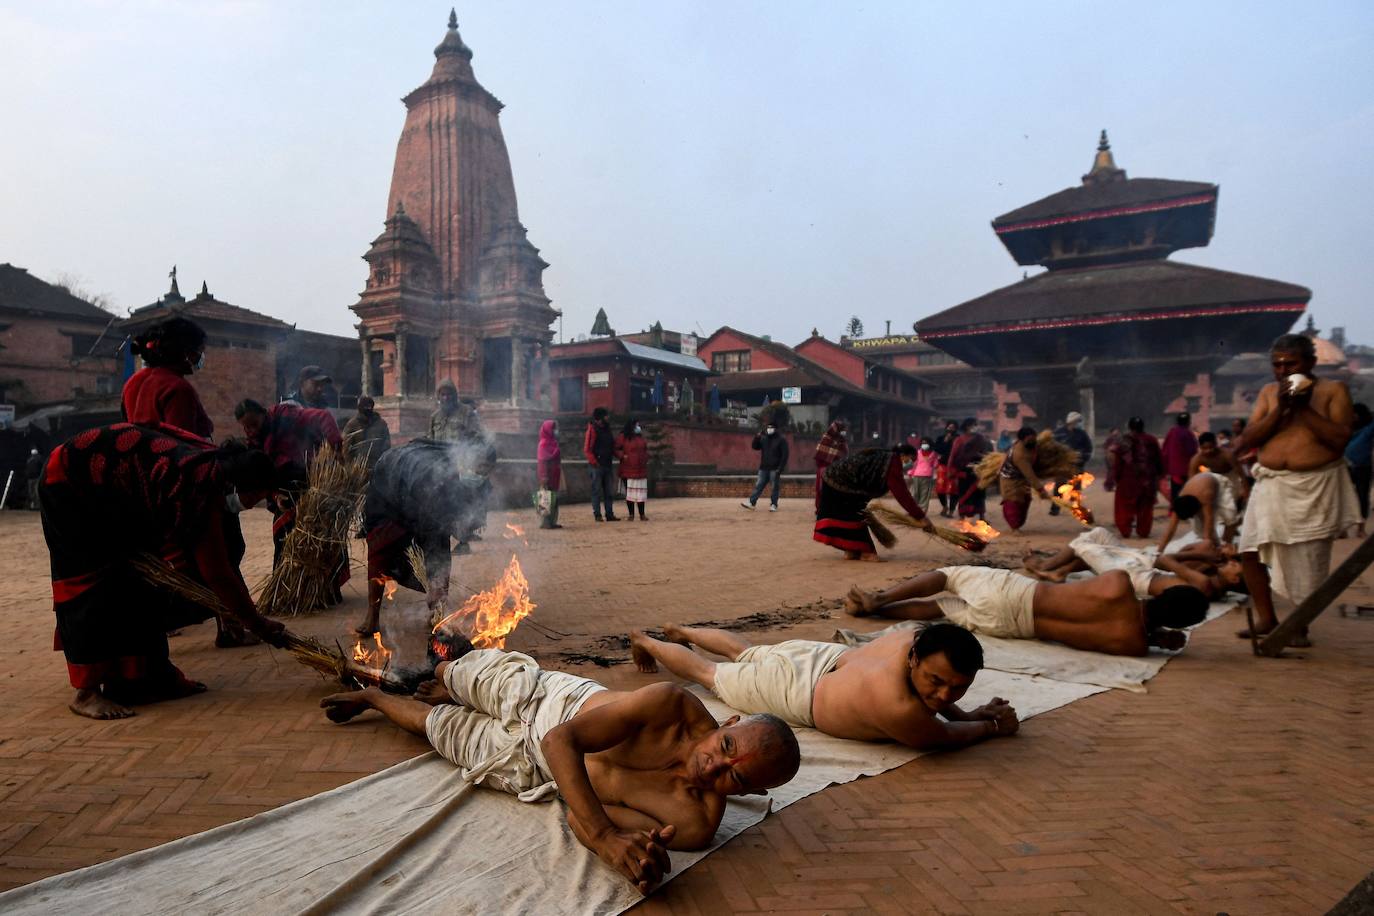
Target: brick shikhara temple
{"x": 1112, "y": 327}
{"x": 454, "y": 288}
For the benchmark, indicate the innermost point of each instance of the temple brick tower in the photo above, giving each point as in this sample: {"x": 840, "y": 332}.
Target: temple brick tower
{"x": 1112, "y": 327}
{"x": 454, "y": 287}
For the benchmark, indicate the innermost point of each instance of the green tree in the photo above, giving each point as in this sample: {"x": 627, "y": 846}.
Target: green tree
{"x": 855, "y": 327}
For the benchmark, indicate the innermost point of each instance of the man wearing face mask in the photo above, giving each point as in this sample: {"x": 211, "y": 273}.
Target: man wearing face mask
{"x": 160, "y": 393}
{"x": 366, "y": 436}
{"x": 772, "y": 448}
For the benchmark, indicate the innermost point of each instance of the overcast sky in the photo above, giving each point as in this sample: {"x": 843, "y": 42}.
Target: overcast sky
{"x": 770, "y": 165}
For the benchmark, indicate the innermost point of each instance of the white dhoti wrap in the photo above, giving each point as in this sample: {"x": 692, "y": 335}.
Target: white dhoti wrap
{"x": 1224, "y": 511}
{"x": 779, "y": 679}
{"x": 1103, "y": 552}
{"x": 994, "y": 602}
{"x": 506, "y": 705}
{"x": 1290, "y": 521}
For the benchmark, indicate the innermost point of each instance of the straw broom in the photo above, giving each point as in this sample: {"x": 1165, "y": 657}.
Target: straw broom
{"x": 309, "y": 652}
{"x": 304, "y": 579}
{"x": 961, "y": 539}
{"x": 1053, "y": 461}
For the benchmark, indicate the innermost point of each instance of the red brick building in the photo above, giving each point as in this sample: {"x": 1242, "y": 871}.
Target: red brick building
{"x": 622, "y": 376}
{"x": 454, "y": 288}
{"x": 820, "y": 381}
{"x": 54, "y": 347}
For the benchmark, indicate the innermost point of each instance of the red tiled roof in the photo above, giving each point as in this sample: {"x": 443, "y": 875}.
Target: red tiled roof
{"x": 1104, "y": 196}
{"x": 203, "y": 307}
{"x": 22, "y": 291}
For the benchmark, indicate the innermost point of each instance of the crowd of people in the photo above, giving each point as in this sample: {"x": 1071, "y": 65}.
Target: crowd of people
{"x": 1265, "y": 503}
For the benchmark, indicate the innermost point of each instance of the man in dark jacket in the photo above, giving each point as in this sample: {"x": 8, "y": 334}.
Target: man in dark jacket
{"x": 33, "y": 470}
{"x": 366, "y": 435}
{"x": 771, "y": 445}
{"x": 598, "y": 445}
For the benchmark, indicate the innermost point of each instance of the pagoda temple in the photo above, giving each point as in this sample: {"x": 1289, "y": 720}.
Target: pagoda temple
{"x": 1113, "y": 328}
{"x": 454, "y": 288}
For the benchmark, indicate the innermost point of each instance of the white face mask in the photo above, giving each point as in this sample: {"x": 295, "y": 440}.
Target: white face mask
{"x": 844, "y": 434}
{"x": 925, "y": 446}
{"x": 770, "y": 430}
{"x": 638, "y": 430}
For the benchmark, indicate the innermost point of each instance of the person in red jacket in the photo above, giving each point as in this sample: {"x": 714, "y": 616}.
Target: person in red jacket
{"x": 633, "y": 452}
{"x": 159, "y": 393}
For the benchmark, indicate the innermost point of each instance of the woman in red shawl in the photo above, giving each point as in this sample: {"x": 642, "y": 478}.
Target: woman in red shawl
{"x": 832, "y": 447}
{"x": 847, "y": 488}
{"x": 550, "y": 470}
{"x": 108, "y": 496}
{"x": 1137, "y": 465}
{"x": 159, "y": 393}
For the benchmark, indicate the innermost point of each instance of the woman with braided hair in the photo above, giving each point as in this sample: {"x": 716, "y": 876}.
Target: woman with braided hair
{"x": 159, "y": 394}
{"x": 846, "y": 489}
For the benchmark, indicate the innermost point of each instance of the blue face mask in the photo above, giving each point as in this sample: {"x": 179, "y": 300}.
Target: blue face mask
{"x": 199, "y": 364}
{"x": 638, "y": 430}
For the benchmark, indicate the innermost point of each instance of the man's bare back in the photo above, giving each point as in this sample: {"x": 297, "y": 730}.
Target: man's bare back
{"x": 868, "y": 696}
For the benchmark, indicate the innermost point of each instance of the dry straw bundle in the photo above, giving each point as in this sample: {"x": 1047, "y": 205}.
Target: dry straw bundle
{"x": 1053, "y": 461}
{"x": 325, "y": 515}
{"x": 960, "y": 539}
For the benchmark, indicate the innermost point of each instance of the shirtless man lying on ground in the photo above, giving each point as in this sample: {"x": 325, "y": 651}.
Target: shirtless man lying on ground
{"x": 1101, "y": 614}
{"x": 1101, "y": 551}
{"x": 889, "y": 690}
{"x": 641, "y": 772}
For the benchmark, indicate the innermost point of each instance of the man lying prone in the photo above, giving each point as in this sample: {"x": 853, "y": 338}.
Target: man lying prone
{"x": 1101, "y": 614}
{"x": 901, "y": 687}
{"x": 641, "y": 771}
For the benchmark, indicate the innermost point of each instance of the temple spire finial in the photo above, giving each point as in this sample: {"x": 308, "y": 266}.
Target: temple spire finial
{"x": 1104, "y": 164}
{"x": 453, "y": 18}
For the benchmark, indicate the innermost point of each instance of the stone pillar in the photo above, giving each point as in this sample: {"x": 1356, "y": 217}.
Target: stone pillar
{"x": 400, "y": 365}
{"x": 517, "y": 370}
{"x": 366, "y": 342}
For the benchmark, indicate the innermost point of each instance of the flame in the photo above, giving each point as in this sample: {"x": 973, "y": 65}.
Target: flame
{"x": 488, "y": 617}
{"x": 389, "y": 593}
{"x": 1203, "y": 469}
{"x": 371, "y": 656}
{"x": 515, "y": 531}
{"x": 1071, "y": 497}
{"x": 979, "y": 529}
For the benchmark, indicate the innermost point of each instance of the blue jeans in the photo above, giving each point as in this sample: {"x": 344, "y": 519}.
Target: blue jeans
{"x": 764, "y": 477}
{"x": 602, "y": 491}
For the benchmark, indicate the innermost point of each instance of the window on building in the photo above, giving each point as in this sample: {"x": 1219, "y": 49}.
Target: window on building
{"x": 641, "y": 395}
{"x": 570, "y": 395}
{"x": 95, "y": 346}
{"x": 730, "y": 361}
{"x": 104, "y": 384}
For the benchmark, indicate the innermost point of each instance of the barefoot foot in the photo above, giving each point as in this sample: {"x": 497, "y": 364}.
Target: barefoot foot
{"x": 340, "y": 707}
{"x": 94, "y": 705}
{"x": 674, "y": 633}
{"x": 871, "y": 558}
{"x": 860, "y": 603}
{"x": 639, "y": 653}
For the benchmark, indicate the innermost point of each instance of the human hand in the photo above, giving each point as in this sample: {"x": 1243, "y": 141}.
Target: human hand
{"x": 640, "y": 855}
{"x": 1003, "y": 715}
{"x": 272, "y": 632}
{"x": 927, "y": 525}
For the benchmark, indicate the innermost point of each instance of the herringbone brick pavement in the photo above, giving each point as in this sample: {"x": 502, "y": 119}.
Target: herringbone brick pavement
{"x": 1235, "y": 785}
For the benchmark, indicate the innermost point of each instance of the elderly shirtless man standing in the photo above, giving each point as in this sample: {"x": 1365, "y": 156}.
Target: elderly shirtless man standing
{"x": 888, "y": 690}
{"x": 641, "y": 772}
{"x": 1302, "y": 498}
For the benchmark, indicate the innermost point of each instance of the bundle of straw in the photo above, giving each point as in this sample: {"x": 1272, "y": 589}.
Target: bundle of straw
{"x": 1053, "y": 461}
{"x": 881, "y": 533}
{"x": 303, "y": 580}
{"x": 961, "y": 539}
{"x": 416, "y": 556}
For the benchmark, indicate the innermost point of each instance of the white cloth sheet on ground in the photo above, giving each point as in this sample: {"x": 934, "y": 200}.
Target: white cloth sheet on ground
{"x": 415, "y": 838}
{"x": 1291, "y": 520}
{"x": 1053, "y": 661}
